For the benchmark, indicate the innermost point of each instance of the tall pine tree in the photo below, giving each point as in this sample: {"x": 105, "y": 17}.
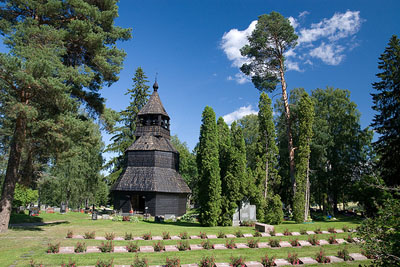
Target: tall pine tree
{"x": 124, "y": 134}
{"x": 387, "y": 122}
{"x": 302, "y": 195}
{"x": 51, "y": 58}
{"x": 209, "y": 170}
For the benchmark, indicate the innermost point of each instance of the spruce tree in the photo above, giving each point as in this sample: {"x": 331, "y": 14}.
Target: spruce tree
{"x": 301, "y": 196}
{"x": 387, "y": 121}
{"x": 209, "y": 170}
{"x": 124, "y": 134}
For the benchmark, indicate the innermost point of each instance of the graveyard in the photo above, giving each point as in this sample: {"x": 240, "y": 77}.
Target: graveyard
{"x": 28, "y": 241}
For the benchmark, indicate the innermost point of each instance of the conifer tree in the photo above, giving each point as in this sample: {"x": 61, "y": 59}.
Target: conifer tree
{"x": 302, "y": 194}
{"x": 125, "y": 132}
{"x": 209, "y": 170}
{"x": 53, "y": 62}
{"x": 387, "y": 122}
{"x": 234, "y": 184}
{"x": 272, "y": 37}
{"x": 267, "y": 176}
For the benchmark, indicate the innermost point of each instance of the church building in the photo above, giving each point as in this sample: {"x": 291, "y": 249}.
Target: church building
{"x": 151, "y": 182}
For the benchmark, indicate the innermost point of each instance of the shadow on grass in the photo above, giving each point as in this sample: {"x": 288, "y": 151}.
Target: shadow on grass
{"x": 184, "y": 224}
{"x": 24, "y": 218}
{"x": 34, "y": 226}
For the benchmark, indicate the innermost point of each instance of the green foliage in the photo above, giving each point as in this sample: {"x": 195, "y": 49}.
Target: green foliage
{"x": 124, "y": 132}
{"x": 272, "y": 37}
{"x": 209, "y": 170}
{"x": 381, "y": 234}
{"x": 24, "y": 195}
{"x": 172, "y": 262}
{"x": 267, "y": 261}
{"x": 249, "y": 125}
{"x": 207, "y": 261}
{"x": 274, "y": 211}
{"x": 106, "y": 247}
{"x": 387, "y": 105}
{"x": 237, "y": 261}
{"x": 132, "y": 246}
{"x": 305, "y": 120}
{"x": 187, "y": 165}
{"x": 143, "y": 262}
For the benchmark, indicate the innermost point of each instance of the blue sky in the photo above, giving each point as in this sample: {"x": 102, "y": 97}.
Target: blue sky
{"x": 193, "y": 45}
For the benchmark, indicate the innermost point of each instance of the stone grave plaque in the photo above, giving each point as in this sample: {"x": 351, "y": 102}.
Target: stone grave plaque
{"x": 281, "y": 262}
{"x": 67, "y": 250}
{"x": 212, "y": 236}
{"x": 171, "y": 248}
{"x": 253, "y": 264}
{"x": 263, "y": 245}
{"x": 146, "y": 249}
{"x": 358, "y": 256}
{"x": 341, "y": 241}
{"x": 308, "y": 260}
{"x": 195, "y": 247}
{"x": 323, "y": 242}
{"x": 120, "y": 249}
{"x": 339, "y": 231}
{"x": 335, "y": 259}
{"x": 304, "y": 243}
{"x": 241, "y": 245}
{"x": 285, "y": 244}
{"x": 194, "y": 237}
{"x": 296, "y": 233}
{"x": 247, "y": 235}
{"x": 222, "y": 264}
{"x": 230, "y": 236}
{"x": 219, "y": 246}
{"x": 156, "y": 237}
{"x": 310, "y": 233}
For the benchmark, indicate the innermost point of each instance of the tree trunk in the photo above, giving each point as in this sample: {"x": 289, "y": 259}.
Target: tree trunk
{"x": 289, "y": 124}
{"x": 11, "y": 177}
{"x": 266, "y": 167}
{"x": 307, "y": 204}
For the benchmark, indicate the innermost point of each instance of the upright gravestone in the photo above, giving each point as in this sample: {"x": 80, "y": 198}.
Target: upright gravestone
{"x": 246, "y": 212}
{"x": 63, "y": 208}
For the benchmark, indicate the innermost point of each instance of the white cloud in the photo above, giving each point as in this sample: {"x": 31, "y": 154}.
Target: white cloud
{"x": 239, "y": 113}
{"x": 233, "y": 40}
{"x": 327, "y": 40}
{"x": 341, "y": 25}
{"x": 328, "y": 53}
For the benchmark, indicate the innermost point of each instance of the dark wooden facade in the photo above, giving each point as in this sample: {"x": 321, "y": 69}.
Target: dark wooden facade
{"x": 151, "y": 182}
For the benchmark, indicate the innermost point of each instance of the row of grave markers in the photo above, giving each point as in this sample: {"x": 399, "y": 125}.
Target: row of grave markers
{"x": 169, "y": 248}
{"x": 278, "y": 262}
{"x": 338, "y": 231}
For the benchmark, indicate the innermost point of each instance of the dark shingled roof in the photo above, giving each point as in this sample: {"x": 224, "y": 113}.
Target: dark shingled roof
{"x": 150, "y": 179}
{"x": 149, "y": 142}
{"x": 153, "y": 106}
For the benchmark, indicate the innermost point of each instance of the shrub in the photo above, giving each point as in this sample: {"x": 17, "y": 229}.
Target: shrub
{"x": 257, "y": 234}
{"x": 143, "y": 262}
{"x": 345, "y": 228}
{"x": 332, "y": 239}
{"x": 70, "y": 234}
{"x": 237, "y": 261}
{"x": 286, "y": 232}
{"x": 248, "y": 223}
{"x": 134, "y": 219}
{"x": 147, "y": 236}
{"x": 221, "y": 234}
{"x": 104, "y": 263}
{"x": 349, "y": 239}
{"x": 238, "y": 233}
{"x": 159, "y": 246}
{"x": 230, "y": 244}
{"x": 272, "y": 232}
{"x": 273, "y": 210}
{"x": 106, "y": 247}
{"x": 206, "y": 244}
{"x": 207, "y": 261}
{"x": 32, "y": 263}
{"x": 344, "y": 254}
{"x": 69, "y": 264}
{"x": 128, "y": 236}
{"x": 267, "y": 262}
{"x": 89, "y": 235}
{"x": 172, "y": 262}
{"x": 331, "y": 230}
{"x": 53, "y": 248}
{"x": 203, "y": 235}
{"x": 110, "y": 236}
{"x": 303, "y": 231}
{"x": 252, "y": 243}
{"x": 274, "y": 243}
{"x": 318, "y": 231}
{"x": 126, "y": 218}
{"x": 80, "y": 247}
{"x": 321, "y": 257}
{"x": 313, "y": 240}
{"x": 184, "y": 235}
{"x": 295, "y": 243}
{"x": 293, "y": 259}
{"x": 132, "y": 247}
{"x": 166, "y": 235}
{"x": 183, "y": 245}
{"x": 368, "y": 255}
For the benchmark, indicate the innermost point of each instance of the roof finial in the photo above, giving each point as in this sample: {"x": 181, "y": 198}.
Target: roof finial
{"x": 155, "y": 85}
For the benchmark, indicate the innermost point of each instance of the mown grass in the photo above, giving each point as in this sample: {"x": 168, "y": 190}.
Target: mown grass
{"x": 20, "y": 245}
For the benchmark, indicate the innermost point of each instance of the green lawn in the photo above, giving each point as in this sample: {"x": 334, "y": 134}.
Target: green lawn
{"x": 22, "y": 244}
